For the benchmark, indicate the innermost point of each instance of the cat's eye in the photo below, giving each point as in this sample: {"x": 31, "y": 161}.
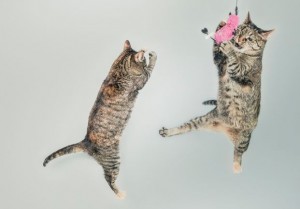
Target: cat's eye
{"x": 250, "y": 39}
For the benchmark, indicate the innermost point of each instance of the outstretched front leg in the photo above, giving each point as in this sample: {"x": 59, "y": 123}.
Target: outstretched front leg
{"x": 208, "y": 121}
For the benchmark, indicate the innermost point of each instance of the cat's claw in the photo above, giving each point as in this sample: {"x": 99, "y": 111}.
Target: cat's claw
{"x": 163, "y": 132}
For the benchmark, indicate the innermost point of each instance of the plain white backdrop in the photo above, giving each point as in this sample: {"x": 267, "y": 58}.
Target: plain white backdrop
{"x": 54, "y": 55}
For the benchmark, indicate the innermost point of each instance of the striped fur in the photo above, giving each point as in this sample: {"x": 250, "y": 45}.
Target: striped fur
{"x": 111, "y": 111}
{"x": 239, "y": 64}
{"x": 210, "y": 102}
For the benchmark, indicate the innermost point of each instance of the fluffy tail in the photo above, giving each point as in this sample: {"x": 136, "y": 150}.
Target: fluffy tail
{"x": 79, "y": 147}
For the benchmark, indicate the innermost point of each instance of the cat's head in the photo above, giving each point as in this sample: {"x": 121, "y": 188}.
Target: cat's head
{"x": 131, "y": 61}
{"x": 130, "y": 69}
{"x": 249, "y": 38}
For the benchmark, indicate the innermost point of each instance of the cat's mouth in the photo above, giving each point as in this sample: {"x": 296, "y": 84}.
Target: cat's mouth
{"x": 237, "y": 45}
{"x": 139, "y": 57}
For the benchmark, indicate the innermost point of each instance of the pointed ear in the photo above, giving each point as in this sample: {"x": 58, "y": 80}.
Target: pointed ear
{"x": 248, "y": 19}
{"x": 265, "y": 34}
{"x": 127, "y": 45}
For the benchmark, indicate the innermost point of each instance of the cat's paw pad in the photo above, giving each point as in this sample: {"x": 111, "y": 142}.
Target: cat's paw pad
{"x": 237, "y": 168}
{"x": 163, "y": 132}
{"x": 152, "y": 55}
{"x": 226, "y": 47}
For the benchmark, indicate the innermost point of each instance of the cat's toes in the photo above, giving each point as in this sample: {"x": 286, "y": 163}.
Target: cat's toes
{"x": 152, "y": 55}
{"x": 221, "y": 24}
{"x": 121, "y": 195}
{"x": 163, "y": 132}
{"x": 237, "y": 168}
{"x": 225, "y": 47}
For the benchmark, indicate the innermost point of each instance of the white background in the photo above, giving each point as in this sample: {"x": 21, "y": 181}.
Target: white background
{"x": 54, "y": 55}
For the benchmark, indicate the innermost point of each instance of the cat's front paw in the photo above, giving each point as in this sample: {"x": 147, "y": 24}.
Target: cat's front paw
{"x": 221, "y": 24}
{"x": 163, "y": 132}
{"x": 152, "y": 55}
{"x": 226, "y": 47}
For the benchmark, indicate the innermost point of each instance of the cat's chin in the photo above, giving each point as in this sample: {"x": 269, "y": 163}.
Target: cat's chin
{"x": 240, "y": 50}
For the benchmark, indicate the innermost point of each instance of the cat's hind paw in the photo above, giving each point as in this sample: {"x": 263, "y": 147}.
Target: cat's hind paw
{"x": 163, "y": 132}
{"x": 237, "y": 168}
{"x": 121, "y": 195}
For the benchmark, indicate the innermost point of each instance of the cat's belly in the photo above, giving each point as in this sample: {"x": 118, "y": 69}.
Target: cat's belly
{"x": 106, "y": 126}
{"x": 238, "y": 117}
{"x": 237, "y": 108}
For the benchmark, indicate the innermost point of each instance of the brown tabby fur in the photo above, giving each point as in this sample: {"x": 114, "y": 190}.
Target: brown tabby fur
{"x": 111, "y": 111}
{"x": 239, "y": 63}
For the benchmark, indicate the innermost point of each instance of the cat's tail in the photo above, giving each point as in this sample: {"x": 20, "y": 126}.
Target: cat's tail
{"x": 210, "y": 102}
{"x": 79, "y": 147}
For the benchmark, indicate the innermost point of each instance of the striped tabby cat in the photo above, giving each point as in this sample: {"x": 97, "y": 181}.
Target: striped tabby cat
{"x": 239, "y": 63}
{"x": 111, "y": 111}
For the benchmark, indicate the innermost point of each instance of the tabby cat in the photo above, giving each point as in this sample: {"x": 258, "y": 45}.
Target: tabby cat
{"x": 239, "y": 64}
{"x": 111, "y": 111}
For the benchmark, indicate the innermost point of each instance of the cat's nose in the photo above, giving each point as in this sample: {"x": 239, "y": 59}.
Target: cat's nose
{"x": 237, "y": 41}
{"x": 139, "y": 57}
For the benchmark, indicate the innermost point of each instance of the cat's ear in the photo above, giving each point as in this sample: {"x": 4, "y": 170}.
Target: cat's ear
{"x": 127, "y": 45}
{"x": 265, "y": 34}
{"x": 248, "y": 19}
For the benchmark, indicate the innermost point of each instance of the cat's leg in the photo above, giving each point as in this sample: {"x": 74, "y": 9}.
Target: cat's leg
{"x": 203, "y": 122}
{"x": 237, "y": 66}
{"x": 216, "y": 47}
{"x": 152, "y": 61}
{"x": 148, "y": 69}
{"x": 109, "y": 159}
{"x": 219, "y": 57}
{"x": 240, "y": 146}
{"x": 111, "y": 165}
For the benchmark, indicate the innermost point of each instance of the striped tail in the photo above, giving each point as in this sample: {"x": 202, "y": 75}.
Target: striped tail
{"x": 79, "y": 147}
{"x": 210, "y": 102}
